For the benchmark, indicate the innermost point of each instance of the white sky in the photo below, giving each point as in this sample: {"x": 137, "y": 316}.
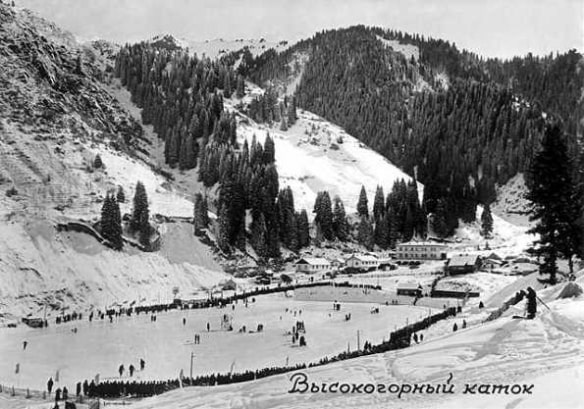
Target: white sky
{"x": 492, "y": 28}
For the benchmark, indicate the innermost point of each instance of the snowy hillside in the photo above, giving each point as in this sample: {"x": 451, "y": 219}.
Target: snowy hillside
{"x": 56, "y": 117}
{"x": 218, "y": 47}
{"x": 314, "y": 155}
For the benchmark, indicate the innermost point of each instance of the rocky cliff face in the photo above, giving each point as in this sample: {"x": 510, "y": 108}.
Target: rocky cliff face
{"x": 49, "y": 84}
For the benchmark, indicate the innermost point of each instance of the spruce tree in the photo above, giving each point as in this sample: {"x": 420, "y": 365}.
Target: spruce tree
{"x": 259, "y": 236}
{"x": 240, "y": 87}
{"x": 324, "y": 215}
{"x": 486, "y": 222}
{"x": 381, "y": 232}
{"x": 379, "y": 204}
{"x": 201, "y": 217}
{"x": 439, "y": 220}
{"x": 97, "y": 162}
{"x": 111, "y": 222}
{"x": 140, "y": 221}
{"x": 365, "y": 233}
{"x": 303, "y": 229}
{"x": 121, "y": 195}
{"x": 340, "y": 223}
{"x": 555, "y": 203}
{"x": 362, "y": 204}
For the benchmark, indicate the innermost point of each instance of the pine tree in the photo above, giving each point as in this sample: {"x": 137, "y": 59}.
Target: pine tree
{"x": 140, "y": 221}
{"x": 555, "y": 203}
{"x": 111, "y": 222}
{"x": 324, "y": 215}
{"x": 121, "y": 195}
{"x": 486, "y": 222}
{"x": 292, "y": 116}
{"x": 362, "y": 204}
{"x": 303, "y": 229}
{"x": 222, "y": 230}
{"x": 381, "y": 232}
{"x": 340, "y": 223}
{"x": 97, "y": 162}
{"x": 365, "y": 233}
{"x": 379, "y": 204}
{"x": 201, "y": 217}
{"x": 259, "y": 235}
{"x": 439, "y": 220}
{"x": 240, "y": 88}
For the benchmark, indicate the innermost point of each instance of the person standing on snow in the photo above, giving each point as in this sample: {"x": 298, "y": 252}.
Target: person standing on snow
{"x": 531, "y": 303}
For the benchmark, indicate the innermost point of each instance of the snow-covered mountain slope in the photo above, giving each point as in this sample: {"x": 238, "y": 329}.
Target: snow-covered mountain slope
{"x": 315, "y": 155}
{"x": 506, "y": 351}
{"x": 219, "y": 47}
{"x": 56, "y": 116}
{"x": 41, "y": 267}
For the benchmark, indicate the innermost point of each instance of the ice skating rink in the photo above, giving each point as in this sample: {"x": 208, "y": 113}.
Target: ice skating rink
{"x": 100, "y": 347}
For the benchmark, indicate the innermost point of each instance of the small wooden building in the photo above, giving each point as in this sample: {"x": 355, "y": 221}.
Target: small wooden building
{"x": 463, "y": 264}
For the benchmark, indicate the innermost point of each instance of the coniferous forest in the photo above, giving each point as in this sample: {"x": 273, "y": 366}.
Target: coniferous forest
{"x": 461, "y": 124}
{"x": 458, "y": 123}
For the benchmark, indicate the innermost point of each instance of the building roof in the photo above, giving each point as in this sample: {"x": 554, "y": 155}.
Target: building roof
{"x": 315, "y": 261}
{"x": 422, "y": 244}
{"x": 363, "y": 257}
{"x": 409, "y": 285}
{"x": 462, "y": 261}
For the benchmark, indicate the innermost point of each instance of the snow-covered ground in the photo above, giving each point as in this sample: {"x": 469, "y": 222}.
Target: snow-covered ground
{"x": 100, "y": 347}
{"x": 40, "y": 268}
{"x": 219, "y": 47}
{"x": 408, "y": 50}
{"x": 547, "y": 352}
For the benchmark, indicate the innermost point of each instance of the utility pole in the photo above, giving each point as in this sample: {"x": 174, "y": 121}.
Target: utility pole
{"x": 191, "y": 372}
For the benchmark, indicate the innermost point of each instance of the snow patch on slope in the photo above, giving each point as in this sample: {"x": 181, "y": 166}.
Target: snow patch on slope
{"x": 314, "y": 155}
{"x": 408, "y": 50}
{"x": 219, "y": 47}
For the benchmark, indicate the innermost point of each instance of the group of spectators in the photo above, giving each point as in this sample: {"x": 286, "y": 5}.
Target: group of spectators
{"x": 400, "y": 338}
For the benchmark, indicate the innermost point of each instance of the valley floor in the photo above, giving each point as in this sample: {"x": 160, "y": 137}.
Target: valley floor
{"x": 100, "y": 347}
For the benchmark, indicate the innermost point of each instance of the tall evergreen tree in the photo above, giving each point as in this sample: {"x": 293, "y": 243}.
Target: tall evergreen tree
{"x": 201, "y": 216}
{"x": 340, "y": 223}
{"x": 121, "y": 195}
{"x": 555, "y": 203}
{"x": 486, "y": 222}
{"x": 365, "y": 233}
{"x": 111, "y": 222}
{"x": 140, "y": 221}
{"x": 378, "y": 204}
{"x": 222, "y": 230}
{"x": 439, "y": 220}
{"x": 362, "y": 204}
{"x": 381, "y": 232}
{"x": 303, "y": 229}
{"x": 324, "y": 215}
{"x": 259, "y": 236}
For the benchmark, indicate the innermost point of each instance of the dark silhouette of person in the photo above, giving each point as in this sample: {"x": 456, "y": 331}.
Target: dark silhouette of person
{"x": 121, "y": 369}
{"x": 50, "y": 385}
{"x": 78, "y": 389}
{"x": 24, "y": 344}
{"x": 132, "y": 370}
{"x": 531, "y": 303}
{"x": 142, "y": 364}
{"x": 454, "y": 327}
{"x": 85, "y": 387}
{"x": 58, "y": 395}
{"x": 208, "y": 327}
{"x": 65, "y": 393}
